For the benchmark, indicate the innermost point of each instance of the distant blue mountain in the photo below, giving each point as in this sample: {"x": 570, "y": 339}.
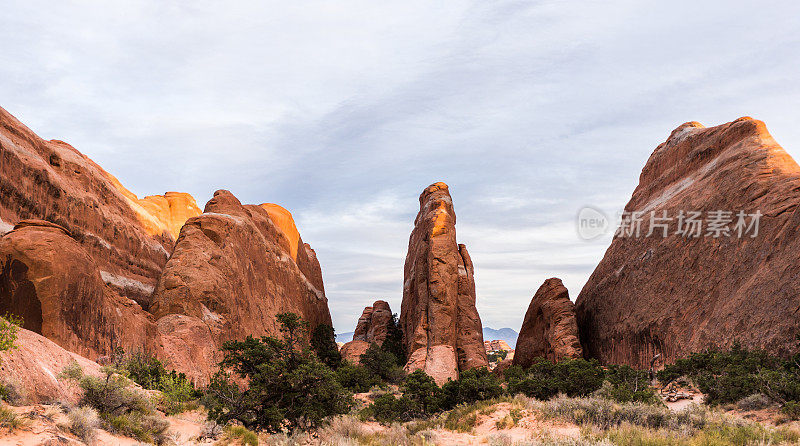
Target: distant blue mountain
{"x": 344, "y": 337}
{"x": 506, "y": 334}
{"x": 489, "y": 334}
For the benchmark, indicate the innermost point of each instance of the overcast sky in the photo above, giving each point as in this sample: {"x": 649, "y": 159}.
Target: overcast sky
{"x": 344, "y": 111}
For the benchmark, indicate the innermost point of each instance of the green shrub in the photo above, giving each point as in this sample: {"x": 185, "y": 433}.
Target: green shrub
{"x": 732, "y": 375}
{"x": 9, "y": 327}
{"x": 387, "y": 409}
{"x": 142, "y": 369}
{"x": 394, "y": 341}
{"x": 791, "y": 409}
{"x": 323, "y": 342}
{"x": 288, "y": 387}
{"x": 422, "y": 390}
{"x": 356, "y": 378}
{"x": 246, "y": 436}
{"x": 472, "y": 385}
{"x": 382, "y": 363}
{"x": 497, "y": 356}
{"x": 11, "y": 393}
{"x": 177, "y": 394}
{"x": 544, "y": 379}
{"x": 625, "y": 384}
{"x": 122, "y": 409}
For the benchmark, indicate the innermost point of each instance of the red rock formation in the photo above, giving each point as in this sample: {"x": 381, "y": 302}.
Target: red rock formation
{"x": 372, "y": 328}
{"x": 50, "y": 180}
{"x": 231, "y": 272}
{"x": 54, "y": 284}
{"x": 442, "y": 329}
{"x": 549, "y": 329}
{"x": 674, "y": 295}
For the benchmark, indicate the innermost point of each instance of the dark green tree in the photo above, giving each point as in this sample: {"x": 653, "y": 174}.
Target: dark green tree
{"x": 288, "y": 386}
{"x": 323, "y": 342}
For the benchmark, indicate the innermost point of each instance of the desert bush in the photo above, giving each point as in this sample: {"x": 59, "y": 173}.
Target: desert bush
{"x": 497, "y": 356}
{"x": 387, "y": 409}
{"x": 122, "y": 409}
{"x": 422, "y": 390}
{"x": 342, "y": 428}
{"x": 382, "y": 363}
{"x": 242, "y": 434}
{"x": 12, "y": 393}
{"x": 323, "y": 342}
{"x": 141, "y": 368}
{"x": 625, "y": 384}
{"x": 83, "y": 422}
{"x": 544, "y": 379}
{"x": 792, "y": 410}
{"x": 756, "y": 401}
{"x": 356, "y": 378}
{"x": 472, "y": 385}
{"x": 178, "y": 392}
{"x": 288, "y": 387}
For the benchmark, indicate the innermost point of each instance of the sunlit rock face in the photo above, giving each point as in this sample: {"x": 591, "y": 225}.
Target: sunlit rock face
{"x": 372, "y": 328}
{"x": 231, "y": 272}
{"x": 549, "y": 329}
{"x": 673, "y": 295}
{"x": 85, "y": 261}
{"x": 441, "y": 326}
{"x": 129, "y": 239}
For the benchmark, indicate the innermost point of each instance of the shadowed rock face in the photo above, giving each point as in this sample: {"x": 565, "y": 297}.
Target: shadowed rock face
{"x": 674, "y": 295}
{"x": 441, "y": 326}
{"x": 129, "y": 239}
{"x": 372, "y": 328}
{"x": 54, "y": 284}
{"x": 231, "y": 272}
{"x": 549, "y": 329}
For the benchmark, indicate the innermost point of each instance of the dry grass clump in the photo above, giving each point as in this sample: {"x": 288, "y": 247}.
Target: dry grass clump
{"x": 756, "y": 401}
{"x": 83, "y": 422}
{"x": 9, "y": 420}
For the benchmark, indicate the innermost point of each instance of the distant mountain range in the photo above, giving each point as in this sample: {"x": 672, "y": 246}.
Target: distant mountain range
{"x": 506, "y": 334}
{"x": 489, "y": 334}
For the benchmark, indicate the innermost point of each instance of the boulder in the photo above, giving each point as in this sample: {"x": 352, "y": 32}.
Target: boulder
{"x": 372, "y": 328}
{"x": 675, "y": 294}
{"x": 441, "y": 326}
{"x": 549, "y": 329}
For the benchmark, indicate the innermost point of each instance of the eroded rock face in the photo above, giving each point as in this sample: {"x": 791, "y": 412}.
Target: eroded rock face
{"x": 676, "y": 294}
{"x": 372, "y": 328}
{"x": 496, "y": 345}
{"x": 549, "y": 329}
{"x": 128, "y": 238}
{"x": 441, "y": 326}
{"x": 233, "y": 270}
{"x": 54, "y": 284}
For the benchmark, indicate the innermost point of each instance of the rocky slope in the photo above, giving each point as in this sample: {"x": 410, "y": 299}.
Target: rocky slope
{"x": 549, "y": 329}
{"x": 372, "y": 328}
{"x": 442, "y": 328}
{"x": 678, "y": 293}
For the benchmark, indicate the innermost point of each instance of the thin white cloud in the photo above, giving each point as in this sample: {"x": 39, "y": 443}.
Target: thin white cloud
{"x": 343, "y": 112}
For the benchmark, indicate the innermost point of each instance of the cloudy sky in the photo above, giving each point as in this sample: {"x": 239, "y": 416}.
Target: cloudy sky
{"x": 343, "y": 111}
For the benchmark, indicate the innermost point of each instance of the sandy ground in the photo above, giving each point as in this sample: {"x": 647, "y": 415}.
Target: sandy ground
{"x": 46, "y": 425}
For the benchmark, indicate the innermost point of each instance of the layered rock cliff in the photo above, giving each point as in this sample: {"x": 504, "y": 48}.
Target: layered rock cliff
{"x": 128, "y": 238}
{"x": 681, "y": 291}
{"x": 441, "y": 326}
{"x": 549, "y": 329}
